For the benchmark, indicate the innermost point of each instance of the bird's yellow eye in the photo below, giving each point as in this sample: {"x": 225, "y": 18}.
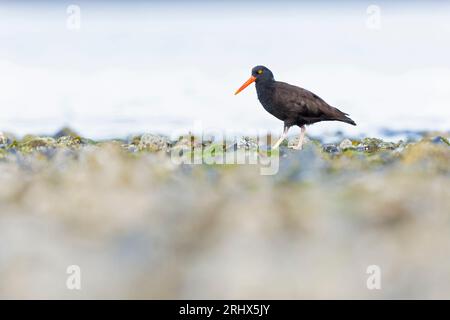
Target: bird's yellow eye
{"x": 260, "y": 71}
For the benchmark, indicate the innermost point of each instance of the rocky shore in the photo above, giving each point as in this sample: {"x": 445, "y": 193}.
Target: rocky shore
{"x": 141, "y": 225}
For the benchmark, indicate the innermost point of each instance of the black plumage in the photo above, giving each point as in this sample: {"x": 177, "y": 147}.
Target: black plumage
{"x": 293, "y": 105}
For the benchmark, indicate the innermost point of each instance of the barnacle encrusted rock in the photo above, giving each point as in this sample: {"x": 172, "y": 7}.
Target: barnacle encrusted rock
{"x": 153, "y": 142}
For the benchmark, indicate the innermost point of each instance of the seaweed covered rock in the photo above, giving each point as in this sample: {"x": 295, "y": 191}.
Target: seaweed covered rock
{"x": 69, "y": 141}
{"x": 31, "y": 143}
{"x": 153, "y": 142}
{"x": 427, "y": 155}
{"x": 371, "y": 144}
{"x": 389, "y": 145}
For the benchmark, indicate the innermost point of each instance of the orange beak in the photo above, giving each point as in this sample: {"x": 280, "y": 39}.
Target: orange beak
{"x": 246, "y": 84}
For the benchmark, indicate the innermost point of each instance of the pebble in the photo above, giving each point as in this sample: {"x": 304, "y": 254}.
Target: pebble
{"x": 346, "y": 144}
{"x": 330, "y": 148}
{"x": 440, "y": 140}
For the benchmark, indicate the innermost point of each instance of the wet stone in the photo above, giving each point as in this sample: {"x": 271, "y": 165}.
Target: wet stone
{"x": 362, "y": 148}
{"x": 33, "y": 143}
{"x": 12, "y": 150}
{"x": 330, "y": 148}
{"x": 346, "y": 144}
{"x": 440, "y": 140}
{"x": 48, "y": 152}
{"x": 130, "y": 148}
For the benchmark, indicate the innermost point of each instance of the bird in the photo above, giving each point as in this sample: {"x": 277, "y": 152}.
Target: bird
{"x": 291, "y": 104}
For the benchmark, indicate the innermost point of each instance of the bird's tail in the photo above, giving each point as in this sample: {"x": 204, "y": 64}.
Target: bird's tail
{"x": 342, "y": 116}
{"x": 348, "y": 120}
{"x": 338, "y": 115}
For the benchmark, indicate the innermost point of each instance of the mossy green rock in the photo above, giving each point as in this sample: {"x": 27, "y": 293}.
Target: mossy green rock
{"x": 69, "y": 141}
{"x": 31, "y": 142}
{"x": 371, "y": 144}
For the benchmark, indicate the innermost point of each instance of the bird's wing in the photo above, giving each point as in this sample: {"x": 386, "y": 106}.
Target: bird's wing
{"x": 305, "y": 103}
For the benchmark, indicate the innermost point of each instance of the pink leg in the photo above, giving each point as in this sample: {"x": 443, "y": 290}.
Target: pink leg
{"x": 283, "y": 136}
{"x": 299, "y": 146}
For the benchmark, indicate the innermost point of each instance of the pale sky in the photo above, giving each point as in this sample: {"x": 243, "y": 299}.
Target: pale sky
{"x": 153, "y": 67}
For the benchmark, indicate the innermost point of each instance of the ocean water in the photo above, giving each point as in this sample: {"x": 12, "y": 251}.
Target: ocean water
{"x": 157, "y": 67}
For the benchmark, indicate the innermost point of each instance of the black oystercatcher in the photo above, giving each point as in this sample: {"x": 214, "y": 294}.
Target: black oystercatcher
{"x": 291, "y": 104}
